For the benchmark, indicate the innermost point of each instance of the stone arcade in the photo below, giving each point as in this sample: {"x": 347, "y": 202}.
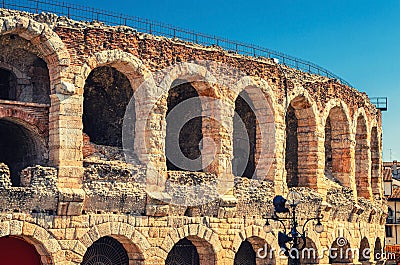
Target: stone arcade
{"x": 66, "y": 190}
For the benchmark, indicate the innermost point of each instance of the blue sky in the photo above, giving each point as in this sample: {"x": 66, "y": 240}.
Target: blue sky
{"x": 359, "y": 40}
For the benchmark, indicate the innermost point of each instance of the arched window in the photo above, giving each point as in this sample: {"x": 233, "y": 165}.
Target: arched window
{"x": 184, "y": 136}
{"x": 107, "y": 93}
{"x": 20, "y": 148}
{"x": 106, "y": 251}
{"x": 247, "y": 252}
{"x": 183, "y": 253}
{"x": 244, "y": 137}
{"x": 301, "y": 141}
{"x": 24, "y": 76}
{"x": 191, "y": 250}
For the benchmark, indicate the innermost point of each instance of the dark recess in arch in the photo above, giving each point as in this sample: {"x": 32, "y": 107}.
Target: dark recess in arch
{"x": 106, "y": 95}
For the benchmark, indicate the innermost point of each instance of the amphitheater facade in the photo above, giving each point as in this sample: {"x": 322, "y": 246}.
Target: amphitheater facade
{"x": 79, "y": 174}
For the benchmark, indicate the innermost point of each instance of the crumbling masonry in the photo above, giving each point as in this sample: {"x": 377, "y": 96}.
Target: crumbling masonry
{"x": 65, "y": 185}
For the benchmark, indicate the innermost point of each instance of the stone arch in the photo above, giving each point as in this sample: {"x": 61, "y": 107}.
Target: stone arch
{"x": 364, "y": 254}
{"x": 47, "y": 41}
{"x": 57, "y": 58}
{"x": 375, "y": 145}
{"x": 128, "y": 64}
{"x": 204, "y": 239}
{"x": 255, "y": 232}
{"x": 301, "y": 153}
{"x": 45, "y": 244}
{"x": 261, "y": 100}
{"x": 310, "y": 254}
{"x": 200, "y": 251}
{"x": 126, "y": 73}
{"x": 362, "y": 155}
{"x": 115, "y": 249}
{"x": 21, "y": 147}
{"x": 24, "y": 74}
{"x": 338, "y": 143}
{"x": 151, "y": 101}
{"x": 30, "y": 119}
{"x": 134, "y": 242}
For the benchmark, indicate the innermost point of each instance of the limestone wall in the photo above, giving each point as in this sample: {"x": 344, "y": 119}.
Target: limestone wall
{"x": 92, "y": 189}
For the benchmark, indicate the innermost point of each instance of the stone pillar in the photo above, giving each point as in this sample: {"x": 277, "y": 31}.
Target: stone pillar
{"x": 65, "y": 148}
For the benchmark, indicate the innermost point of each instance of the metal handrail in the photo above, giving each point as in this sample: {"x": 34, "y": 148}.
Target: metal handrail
{"x": 85, "y": 13}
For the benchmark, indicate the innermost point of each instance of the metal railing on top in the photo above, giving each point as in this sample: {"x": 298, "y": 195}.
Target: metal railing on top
{"x": 85, "y": 13}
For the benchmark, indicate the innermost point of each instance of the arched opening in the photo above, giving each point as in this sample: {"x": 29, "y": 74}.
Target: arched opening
{"x": 40, "y": 82}
{"x": 107, "y": 93}
{"x": 362, "y": 159}
{"x": 364, "y": 251}
{"x": 106, "y": 251}
{"x": 20, "y": 147}
{"x": 32, "y": 84}
{"x": 17, "y": 251}
{"x": 309, "y": 255}
{"x": 247, "y": 252}
{"x": 8, "y": 84}
{"x": 337, "y": 147}
{"x": 375, "y": 162}
{"x": 183, "y": 253}
{"x": 301, "y": 144}
{"x": 292, "y": 146}
{"x": 191, "y": 251}
{"x": 378, "y": 249}
{"x": 184, "y": 128}
{"x": 244, "y": 137}
{"x": 340, "y": 251}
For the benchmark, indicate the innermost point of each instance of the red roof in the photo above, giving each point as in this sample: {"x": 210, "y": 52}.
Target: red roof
{"x": 387, "y": 174}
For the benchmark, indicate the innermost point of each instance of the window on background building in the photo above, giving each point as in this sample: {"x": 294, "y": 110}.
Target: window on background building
{"x": 390, "y": 216}
{"x": 388, "y": 230}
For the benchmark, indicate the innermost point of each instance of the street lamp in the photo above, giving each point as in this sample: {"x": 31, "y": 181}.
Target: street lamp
{"x": 292, "y": 240}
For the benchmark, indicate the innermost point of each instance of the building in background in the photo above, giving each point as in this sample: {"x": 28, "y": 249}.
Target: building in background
{"x": 391, "y": 183}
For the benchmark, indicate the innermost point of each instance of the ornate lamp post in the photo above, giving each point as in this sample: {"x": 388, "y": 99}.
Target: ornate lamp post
{"x": 291, "y": 240}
